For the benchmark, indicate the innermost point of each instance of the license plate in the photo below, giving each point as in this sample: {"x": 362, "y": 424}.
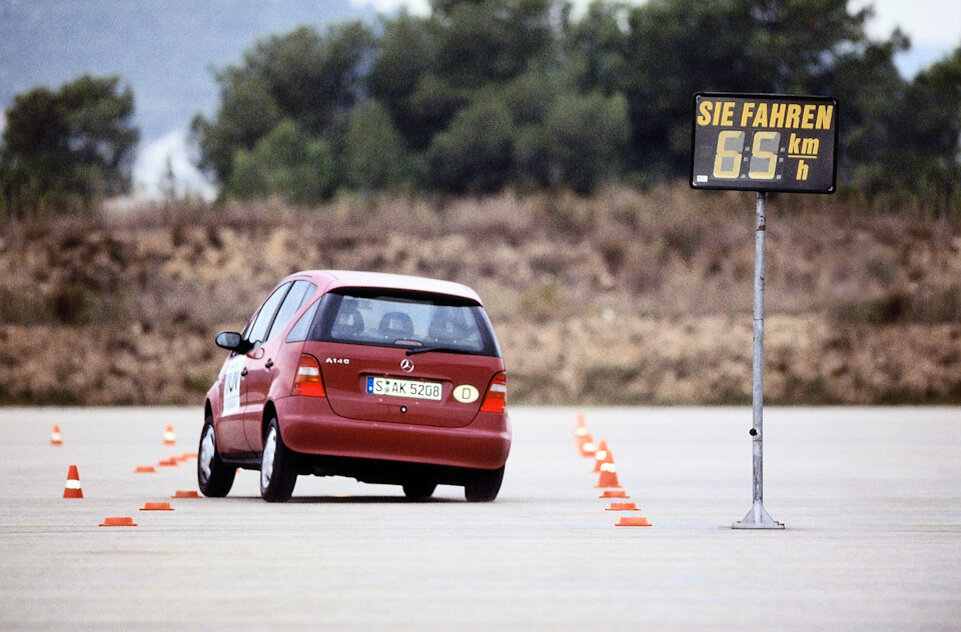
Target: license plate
{"x": 403, "y": 388}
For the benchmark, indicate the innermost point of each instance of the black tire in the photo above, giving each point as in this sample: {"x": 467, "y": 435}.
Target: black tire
{"x": 214, "y": 477}
{"x": 419, "y": 490}
{"x": 278, "y": 473}
{"x": 484, "y": 486}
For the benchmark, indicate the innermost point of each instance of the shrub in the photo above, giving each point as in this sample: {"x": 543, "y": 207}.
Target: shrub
{"x": 587, "y": 132}
{"x": 373, "y": 152}
{"x": 286, "y": 162}
{"x": 474, "y": 153}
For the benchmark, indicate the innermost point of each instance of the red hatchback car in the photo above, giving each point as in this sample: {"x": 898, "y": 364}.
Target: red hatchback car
{"x": 380, "y": 377}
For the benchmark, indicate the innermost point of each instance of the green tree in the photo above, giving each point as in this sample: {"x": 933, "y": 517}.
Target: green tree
{"x": 431, "y": 107}
{"x": 530, "y": 95}
{"x": 427, "y": 69}
{"x": 247, "y": 113}
{"x": 871, "y": 94}
{"x": 287, "y": 162}
{"x": 930, "y": 134}
{"x": 481, "y": 41}
{"x": 578, "y": 145}
{"x": 589, "y": 133}
{"x": 315, "y": 80}
{"x": 309, "y": 78}
{"x": 401, "y": 69}
{"x": 373, "y": 150}
{"x": 529, "y": 98}
{"x": 474, "y": 154}
{"x": 69, "y": 147}
{"x": 679, "y": 47}
{"x": 596, "y": 49}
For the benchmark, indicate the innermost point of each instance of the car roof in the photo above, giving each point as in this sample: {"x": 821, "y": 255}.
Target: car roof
{"x": 328, "y": 280}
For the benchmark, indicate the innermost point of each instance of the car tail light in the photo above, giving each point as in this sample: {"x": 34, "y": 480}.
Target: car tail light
{"x": 308, "y": 380}
{"x": 496, "y": 398}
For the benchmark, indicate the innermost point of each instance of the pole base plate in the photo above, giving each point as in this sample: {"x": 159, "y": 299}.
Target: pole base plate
{"x": 758, "y": 518}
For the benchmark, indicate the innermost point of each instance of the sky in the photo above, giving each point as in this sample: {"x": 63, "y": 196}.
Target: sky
{"x": 923, "y": 20}
{"x": 929, "y": 22}
{"x": 933, "y": 26}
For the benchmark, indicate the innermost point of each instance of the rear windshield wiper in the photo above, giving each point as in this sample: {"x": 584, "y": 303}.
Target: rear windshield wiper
{"x": 438, "y": 349}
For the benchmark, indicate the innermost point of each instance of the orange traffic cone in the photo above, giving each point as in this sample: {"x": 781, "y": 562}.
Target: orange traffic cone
{"x": 603, "y": 455}
{"x": 118, "y": 521}
{"x": 72, "y": 489}
{"x": 156, "y": 507}
{"x": 614, "y": 493}
{"x": 169, "y": 437}
{"x": 580, "y": 429}
{"x": 185, "y": 493}
{"x": 585, "y": 442}
{"x": 586, "y": 446}
{"x": 608, "y": 478}
{"x": 639, "y": 521}
{"x": 55, "y": 437}
{"x": 623, "y": 507}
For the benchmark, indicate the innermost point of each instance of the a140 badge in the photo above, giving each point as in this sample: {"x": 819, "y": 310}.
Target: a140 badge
{"x": 465, "y": 393}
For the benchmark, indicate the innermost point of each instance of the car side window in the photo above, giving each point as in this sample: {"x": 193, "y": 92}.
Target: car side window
{"x": 298, "y": 333}
{"x": 294, "y": 299}
{"x": 258, "y": 330}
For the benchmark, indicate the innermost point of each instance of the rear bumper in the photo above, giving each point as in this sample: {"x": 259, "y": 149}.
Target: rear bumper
{"x": 308, "y": 426}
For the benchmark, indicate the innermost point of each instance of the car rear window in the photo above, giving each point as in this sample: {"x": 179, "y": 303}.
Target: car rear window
{"x": 405, "y": 320}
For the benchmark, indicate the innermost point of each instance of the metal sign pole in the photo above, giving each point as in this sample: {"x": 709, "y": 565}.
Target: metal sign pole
{"x": 757, "y": 517}
{"x": 763, "y": 143}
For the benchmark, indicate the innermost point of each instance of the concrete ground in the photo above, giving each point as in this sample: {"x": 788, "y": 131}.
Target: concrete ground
{"x": 871, "y": 500}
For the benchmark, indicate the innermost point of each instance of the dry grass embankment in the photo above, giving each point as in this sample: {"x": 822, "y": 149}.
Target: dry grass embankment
{"x": 621, "y": 298}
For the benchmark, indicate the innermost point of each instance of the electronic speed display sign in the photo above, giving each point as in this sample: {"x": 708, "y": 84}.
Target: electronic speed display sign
{"x": 764, "y": 142}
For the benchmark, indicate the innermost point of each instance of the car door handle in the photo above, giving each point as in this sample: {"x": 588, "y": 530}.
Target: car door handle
{"x": 244, "y": 372}
{"x": 269, "y": 364}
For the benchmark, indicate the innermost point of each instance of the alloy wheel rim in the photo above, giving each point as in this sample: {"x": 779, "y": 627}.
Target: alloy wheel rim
{"x": 267, "y": 465}
{"x": 207, "y": 451}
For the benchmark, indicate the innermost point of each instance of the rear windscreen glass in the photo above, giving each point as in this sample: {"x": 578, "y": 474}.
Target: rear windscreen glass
{"x": 405, "y": 320}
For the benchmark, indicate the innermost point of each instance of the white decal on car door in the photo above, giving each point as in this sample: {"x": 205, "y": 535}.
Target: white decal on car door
{"x": 232, "y": 385}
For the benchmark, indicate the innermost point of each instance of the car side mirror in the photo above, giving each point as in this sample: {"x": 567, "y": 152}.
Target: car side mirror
{"x": 231, "y": 341}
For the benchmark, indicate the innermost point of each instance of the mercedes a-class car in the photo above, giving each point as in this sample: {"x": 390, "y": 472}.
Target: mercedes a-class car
{"x": 380, "y": 377}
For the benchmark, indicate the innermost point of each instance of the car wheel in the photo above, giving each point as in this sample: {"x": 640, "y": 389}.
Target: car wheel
{"x": 419, "y": 491}
{"x": 277, "y": 473}
{"x": 484, "y": 486}
{"x": 214, "y": 477}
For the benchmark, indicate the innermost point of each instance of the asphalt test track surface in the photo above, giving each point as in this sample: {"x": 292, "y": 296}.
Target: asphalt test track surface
{"x": 871, "y": 499}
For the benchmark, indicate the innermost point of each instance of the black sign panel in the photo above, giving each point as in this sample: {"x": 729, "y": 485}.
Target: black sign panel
{"x": 764, "y": 142}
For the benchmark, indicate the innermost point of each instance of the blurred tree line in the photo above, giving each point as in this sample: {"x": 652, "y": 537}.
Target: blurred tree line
{"x": 485, "y": 94}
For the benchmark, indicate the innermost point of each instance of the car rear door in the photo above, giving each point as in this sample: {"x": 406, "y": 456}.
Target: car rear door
{"x": 233, "y": 423}
{"x": 265, "y": 363}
